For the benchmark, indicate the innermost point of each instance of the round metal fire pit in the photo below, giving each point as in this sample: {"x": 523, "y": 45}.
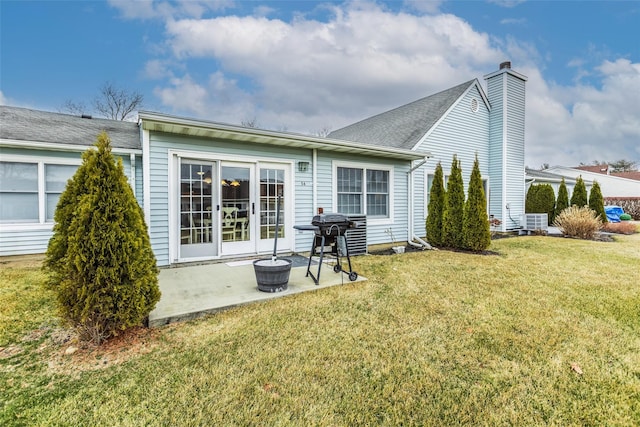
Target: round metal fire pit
{"x": 272, "y": 275}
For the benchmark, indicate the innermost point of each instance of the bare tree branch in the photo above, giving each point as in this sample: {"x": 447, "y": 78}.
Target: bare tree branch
{"x": 250, "y": 123}
{"x": 117, "y": 104}
{"x": 75, "y": 108}
{"x": 322, "y": 132}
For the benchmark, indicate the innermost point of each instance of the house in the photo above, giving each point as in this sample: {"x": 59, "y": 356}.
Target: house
{"x": 536, "y": 177}
{"x": 209, "y": 190}
{"x": 465, "y": 121}
{"x": 39, "y": 152}
{"x": 612, "y": 186}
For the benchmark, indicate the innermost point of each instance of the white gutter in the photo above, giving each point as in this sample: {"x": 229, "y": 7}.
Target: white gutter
{"x": 54, "y": 146}
{"x": 171, "y": 124}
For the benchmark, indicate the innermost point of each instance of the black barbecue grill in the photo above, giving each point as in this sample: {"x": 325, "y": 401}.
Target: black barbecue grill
{"x": 330, "y": 232}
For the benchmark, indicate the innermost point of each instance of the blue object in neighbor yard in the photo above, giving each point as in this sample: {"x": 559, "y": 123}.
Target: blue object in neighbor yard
{"x": 613, "y": 213}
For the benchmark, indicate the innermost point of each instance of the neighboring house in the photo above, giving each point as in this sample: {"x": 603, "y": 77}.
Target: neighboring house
{"x": 39, "y": 152}
{"x": 535, "y": 177}
{"x": 610, "y": 185}
{"x": 606, "y": 170}
{"x": 209, "y": 190}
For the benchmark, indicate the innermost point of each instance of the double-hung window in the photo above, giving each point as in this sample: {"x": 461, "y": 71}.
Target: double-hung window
{"x": 29, "y": 191}
{"x": 364, "y": 191}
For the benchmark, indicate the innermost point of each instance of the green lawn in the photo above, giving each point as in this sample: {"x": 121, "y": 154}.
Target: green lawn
{"x": 546, "y": 333}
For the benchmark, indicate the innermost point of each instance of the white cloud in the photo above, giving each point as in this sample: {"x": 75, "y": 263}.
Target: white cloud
{"x": 3, "y": 99}
{"x": 307, "y": 74}
{"x": 361, "y": 61}
{"x": 569, "y": 125}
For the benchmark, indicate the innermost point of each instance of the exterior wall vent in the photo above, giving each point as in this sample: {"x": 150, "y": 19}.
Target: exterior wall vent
{"x": 474, "y": 105}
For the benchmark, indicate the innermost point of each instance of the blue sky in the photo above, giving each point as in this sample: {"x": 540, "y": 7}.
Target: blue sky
{"x": 309, "y": 65}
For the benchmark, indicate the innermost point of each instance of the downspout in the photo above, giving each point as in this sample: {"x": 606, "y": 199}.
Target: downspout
{"x": 314, "y": 185}
{"x": 132, "y": 181}
{"x": 411, "y": 193}
{"x": 146, "y": 176}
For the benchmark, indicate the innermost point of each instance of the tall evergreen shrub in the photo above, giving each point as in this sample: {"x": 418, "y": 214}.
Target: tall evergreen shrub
{"x": 579, "y": 196}
{"x": 541, "y": 199}
{"x": 531, "y": 199}
{"x": 99, "y": 259}
{"x": 476, "y": 231}
{"x": 596, "y": 202}
{"x": 435, "y": 209}
{"x": 563, "y": 199}
{"x": 454, "y": 208}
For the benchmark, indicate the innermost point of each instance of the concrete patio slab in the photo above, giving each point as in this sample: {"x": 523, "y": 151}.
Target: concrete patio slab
{"x": 190, "y": 292}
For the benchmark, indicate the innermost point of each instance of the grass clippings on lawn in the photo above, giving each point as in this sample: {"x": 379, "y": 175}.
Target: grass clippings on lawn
{"x": 546, "y": 333}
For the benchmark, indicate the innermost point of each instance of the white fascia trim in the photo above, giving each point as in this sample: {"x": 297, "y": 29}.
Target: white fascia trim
{"x": 35, "y": 145}
{"x": 390, "y": 220}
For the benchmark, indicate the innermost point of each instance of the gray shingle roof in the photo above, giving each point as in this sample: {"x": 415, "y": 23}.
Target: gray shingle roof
{"x": 23, "y": 124}
{"x": 403, "y": 127}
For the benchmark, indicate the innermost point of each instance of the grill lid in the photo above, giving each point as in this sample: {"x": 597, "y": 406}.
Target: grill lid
{"x": 325, "y": 220}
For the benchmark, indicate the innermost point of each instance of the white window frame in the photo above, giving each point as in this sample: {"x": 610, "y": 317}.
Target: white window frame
{"x": 364, "y": 167}
{"x": 42, "y": 199}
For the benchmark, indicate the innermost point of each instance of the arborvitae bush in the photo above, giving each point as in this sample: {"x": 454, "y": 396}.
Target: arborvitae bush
{"x": 477, "y": 235}
{"x": 453, "y": 217}
{"x": 101, "y": 264}
{"x": 596, "y": 202}
{"x": 563, "y": 199}
{"x": 435, "y": 209}
{"x": 578, "y": 221}
{"x": 579, "y": 196}
{"x": 541, "y": 199}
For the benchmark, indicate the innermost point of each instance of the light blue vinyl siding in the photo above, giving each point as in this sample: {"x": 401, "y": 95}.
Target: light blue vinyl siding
{"x": 376, "y": 232}
{"x": 507, "y": 97}
{"x": 515, "y": 146}
{"x": 495, "y": 92}
{"x": 24, "y": 239}
{"x": 161, "y": 143}
{"x": 462, "y": 132}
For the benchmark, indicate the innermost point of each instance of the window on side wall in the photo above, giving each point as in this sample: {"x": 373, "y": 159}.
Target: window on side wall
{"x": 364, "y": 191}
{"x": 29, "y": 192}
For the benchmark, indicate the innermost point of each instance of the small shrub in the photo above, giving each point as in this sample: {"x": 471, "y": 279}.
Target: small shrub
{"x": 581, "y": 222}
{"x": 625, "y": 217}
{"x": 620, "y": 227}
